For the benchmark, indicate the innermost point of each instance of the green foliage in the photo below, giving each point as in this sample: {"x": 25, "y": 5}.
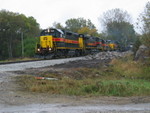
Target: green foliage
{"x": 146, "y": 40}
{"x": 75, "y": 24}
{"x": 121, "y": 31}
{"x": 80, "y": 25}
{"x": 29, "y": 46}
{"x": 144, "y": 19}
{"x": 12, "y": 25}
{"x": 88, "y": 31}
{"x": 118, "y": 88}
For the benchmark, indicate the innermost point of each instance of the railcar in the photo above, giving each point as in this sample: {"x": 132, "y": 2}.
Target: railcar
{"x": 112, "y": 46}
{"x": 105, "y": 46}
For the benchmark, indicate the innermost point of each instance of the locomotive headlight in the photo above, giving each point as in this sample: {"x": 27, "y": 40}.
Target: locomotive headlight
{"x": 50, "y": 49}
{"x": 38, "y": 50}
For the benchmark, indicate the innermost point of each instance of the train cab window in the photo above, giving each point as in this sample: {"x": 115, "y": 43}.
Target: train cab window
{"x": 43, "y": 33}
{"x": 81, "y": 35}
{"x": 68, "y": 34}
{"x": 51, "y": 32}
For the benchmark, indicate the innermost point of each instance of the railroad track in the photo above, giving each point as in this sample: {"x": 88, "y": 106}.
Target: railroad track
{"x": 13, "y": 62}
{"x": 23, "y": 61}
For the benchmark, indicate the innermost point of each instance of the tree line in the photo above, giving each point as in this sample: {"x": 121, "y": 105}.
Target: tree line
{"x": 14, "y": 28}
{"x": 18, "y": 32}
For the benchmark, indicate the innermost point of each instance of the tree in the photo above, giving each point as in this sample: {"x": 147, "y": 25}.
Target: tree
{"x": 117, "y": 15}
{"x": 88, "y": 31}
{"x": 29, "y": 46}
{"x": 58, "y": 25}
{"x": 117, "y": 26}
{"x": 12, "y": 26}
{"x": 145, "y": 18}
{"x": 80, "y": 25}
{"x": 75, "y": 24}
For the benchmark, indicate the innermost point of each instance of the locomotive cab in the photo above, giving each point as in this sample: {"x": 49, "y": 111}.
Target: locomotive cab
{"x": 112, "y": 45}
{"x": 47, "y": 44}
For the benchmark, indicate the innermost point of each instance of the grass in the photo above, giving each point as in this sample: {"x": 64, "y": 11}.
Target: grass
{"x": 124, "y": 77}
{"x": 128, "y": 68}
{"x": 68, "y": 86}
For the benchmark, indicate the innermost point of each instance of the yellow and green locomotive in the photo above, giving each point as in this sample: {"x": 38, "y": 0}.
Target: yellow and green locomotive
{"x": 112, "y": 45}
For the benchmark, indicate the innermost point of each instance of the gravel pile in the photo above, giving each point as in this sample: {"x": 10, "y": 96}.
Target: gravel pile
{"x": 108, "y": 55}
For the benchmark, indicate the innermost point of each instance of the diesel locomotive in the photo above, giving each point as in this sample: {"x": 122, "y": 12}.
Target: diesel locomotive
{"x": 61, "y": 43}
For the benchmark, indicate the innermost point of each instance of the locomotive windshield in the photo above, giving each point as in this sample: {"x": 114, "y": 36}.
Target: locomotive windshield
{"x": 47, "y": 32}
{"x": 52, "y": 32}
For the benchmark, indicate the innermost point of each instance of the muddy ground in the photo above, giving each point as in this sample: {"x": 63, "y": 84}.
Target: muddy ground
{"x": 13, "y": 95}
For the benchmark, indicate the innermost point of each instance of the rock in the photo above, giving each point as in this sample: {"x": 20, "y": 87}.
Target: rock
{"x": 107, "y": 55}
{"x": 141, "y": 53}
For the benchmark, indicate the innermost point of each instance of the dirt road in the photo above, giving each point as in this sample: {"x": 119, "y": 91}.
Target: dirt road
{"x": 70, "y": 108}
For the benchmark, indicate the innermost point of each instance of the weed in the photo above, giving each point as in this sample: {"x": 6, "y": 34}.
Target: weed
{"x": 130, "y": 69}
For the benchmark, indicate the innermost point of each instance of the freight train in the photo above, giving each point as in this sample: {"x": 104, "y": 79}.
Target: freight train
{"x": 61, "y": 43}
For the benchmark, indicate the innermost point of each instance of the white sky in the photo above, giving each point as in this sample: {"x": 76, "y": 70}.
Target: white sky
{"x": 46, "y": 12}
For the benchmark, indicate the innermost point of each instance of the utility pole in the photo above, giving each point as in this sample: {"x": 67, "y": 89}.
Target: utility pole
{"x": 22, "y": 44}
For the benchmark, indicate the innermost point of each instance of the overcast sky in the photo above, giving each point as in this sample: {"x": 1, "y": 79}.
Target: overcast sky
{"x": 46, "y": 12}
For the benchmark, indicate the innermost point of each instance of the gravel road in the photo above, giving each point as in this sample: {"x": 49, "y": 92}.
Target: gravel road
{"x": 35, "y": 64}
{"x": 66, "y": 108}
